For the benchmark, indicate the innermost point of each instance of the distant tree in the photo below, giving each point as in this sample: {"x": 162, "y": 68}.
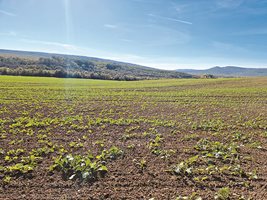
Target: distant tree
{"x": 61, "y": 74}
{"x": 4, "y": 71}
{"x": 113, "y": 66}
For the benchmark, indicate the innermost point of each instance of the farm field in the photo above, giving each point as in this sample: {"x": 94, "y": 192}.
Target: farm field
{"x": 156, "y": 139}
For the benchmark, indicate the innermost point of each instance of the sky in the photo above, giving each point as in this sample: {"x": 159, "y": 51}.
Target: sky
{"x": 165, "y": 34}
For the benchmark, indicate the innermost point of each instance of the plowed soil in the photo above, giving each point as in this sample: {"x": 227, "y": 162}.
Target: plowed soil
{"x": 60, "y": 113}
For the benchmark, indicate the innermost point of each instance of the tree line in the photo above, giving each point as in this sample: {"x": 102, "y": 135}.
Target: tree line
{"x": 64, "y": 67}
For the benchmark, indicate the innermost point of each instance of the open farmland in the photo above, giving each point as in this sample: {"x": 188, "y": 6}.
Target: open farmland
{"x": 156, "y": 139}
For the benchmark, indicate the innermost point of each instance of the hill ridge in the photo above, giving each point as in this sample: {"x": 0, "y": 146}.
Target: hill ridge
{"x": 30, "y": 63}
{"x": 228, "y": 71}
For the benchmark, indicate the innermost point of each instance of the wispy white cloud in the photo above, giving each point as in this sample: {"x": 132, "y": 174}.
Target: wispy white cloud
{"x": 126, "y": 40}
{"x": 57, "y": 47}
{"x": 7, "y": 13}
{"x": 132, "y": 58}
{"x": 112, "y": 26}
{"x": 9, "y": 33}
{"x": 52, "y": 44}
{"x": 12, "y": 33}
{"x": 170, "y": 19}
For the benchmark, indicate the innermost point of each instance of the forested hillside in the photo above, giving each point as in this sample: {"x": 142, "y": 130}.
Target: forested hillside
{"x": 67, "y": 66}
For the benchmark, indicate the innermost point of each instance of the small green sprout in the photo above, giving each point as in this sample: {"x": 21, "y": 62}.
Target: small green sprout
{"x": 223, "y": 194}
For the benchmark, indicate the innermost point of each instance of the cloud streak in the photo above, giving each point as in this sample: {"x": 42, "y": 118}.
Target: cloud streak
{"x": 10, "y": 14}
{"x": 10, "y": 33}
{"x": 170, "y": 19}
{"x": 126, "y": 40}
{"x": 111, "y": 26}
{"x": 62, "y": 48}
{"x": 53, "y": 44}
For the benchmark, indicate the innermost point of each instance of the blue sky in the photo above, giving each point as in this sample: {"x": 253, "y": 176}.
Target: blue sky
{"x": 166, "y": 34}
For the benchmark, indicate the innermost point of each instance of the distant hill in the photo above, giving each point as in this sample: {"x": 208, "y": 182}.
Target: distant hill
{"x": 26, "y": 63}
{"x": 229, "y": 71}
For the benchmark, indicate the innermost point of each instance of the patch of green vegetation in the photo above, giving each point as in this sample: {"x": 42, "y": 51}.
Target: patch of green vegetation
{"x": 83, "y": 168}
{"x": 208, "y": 133}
